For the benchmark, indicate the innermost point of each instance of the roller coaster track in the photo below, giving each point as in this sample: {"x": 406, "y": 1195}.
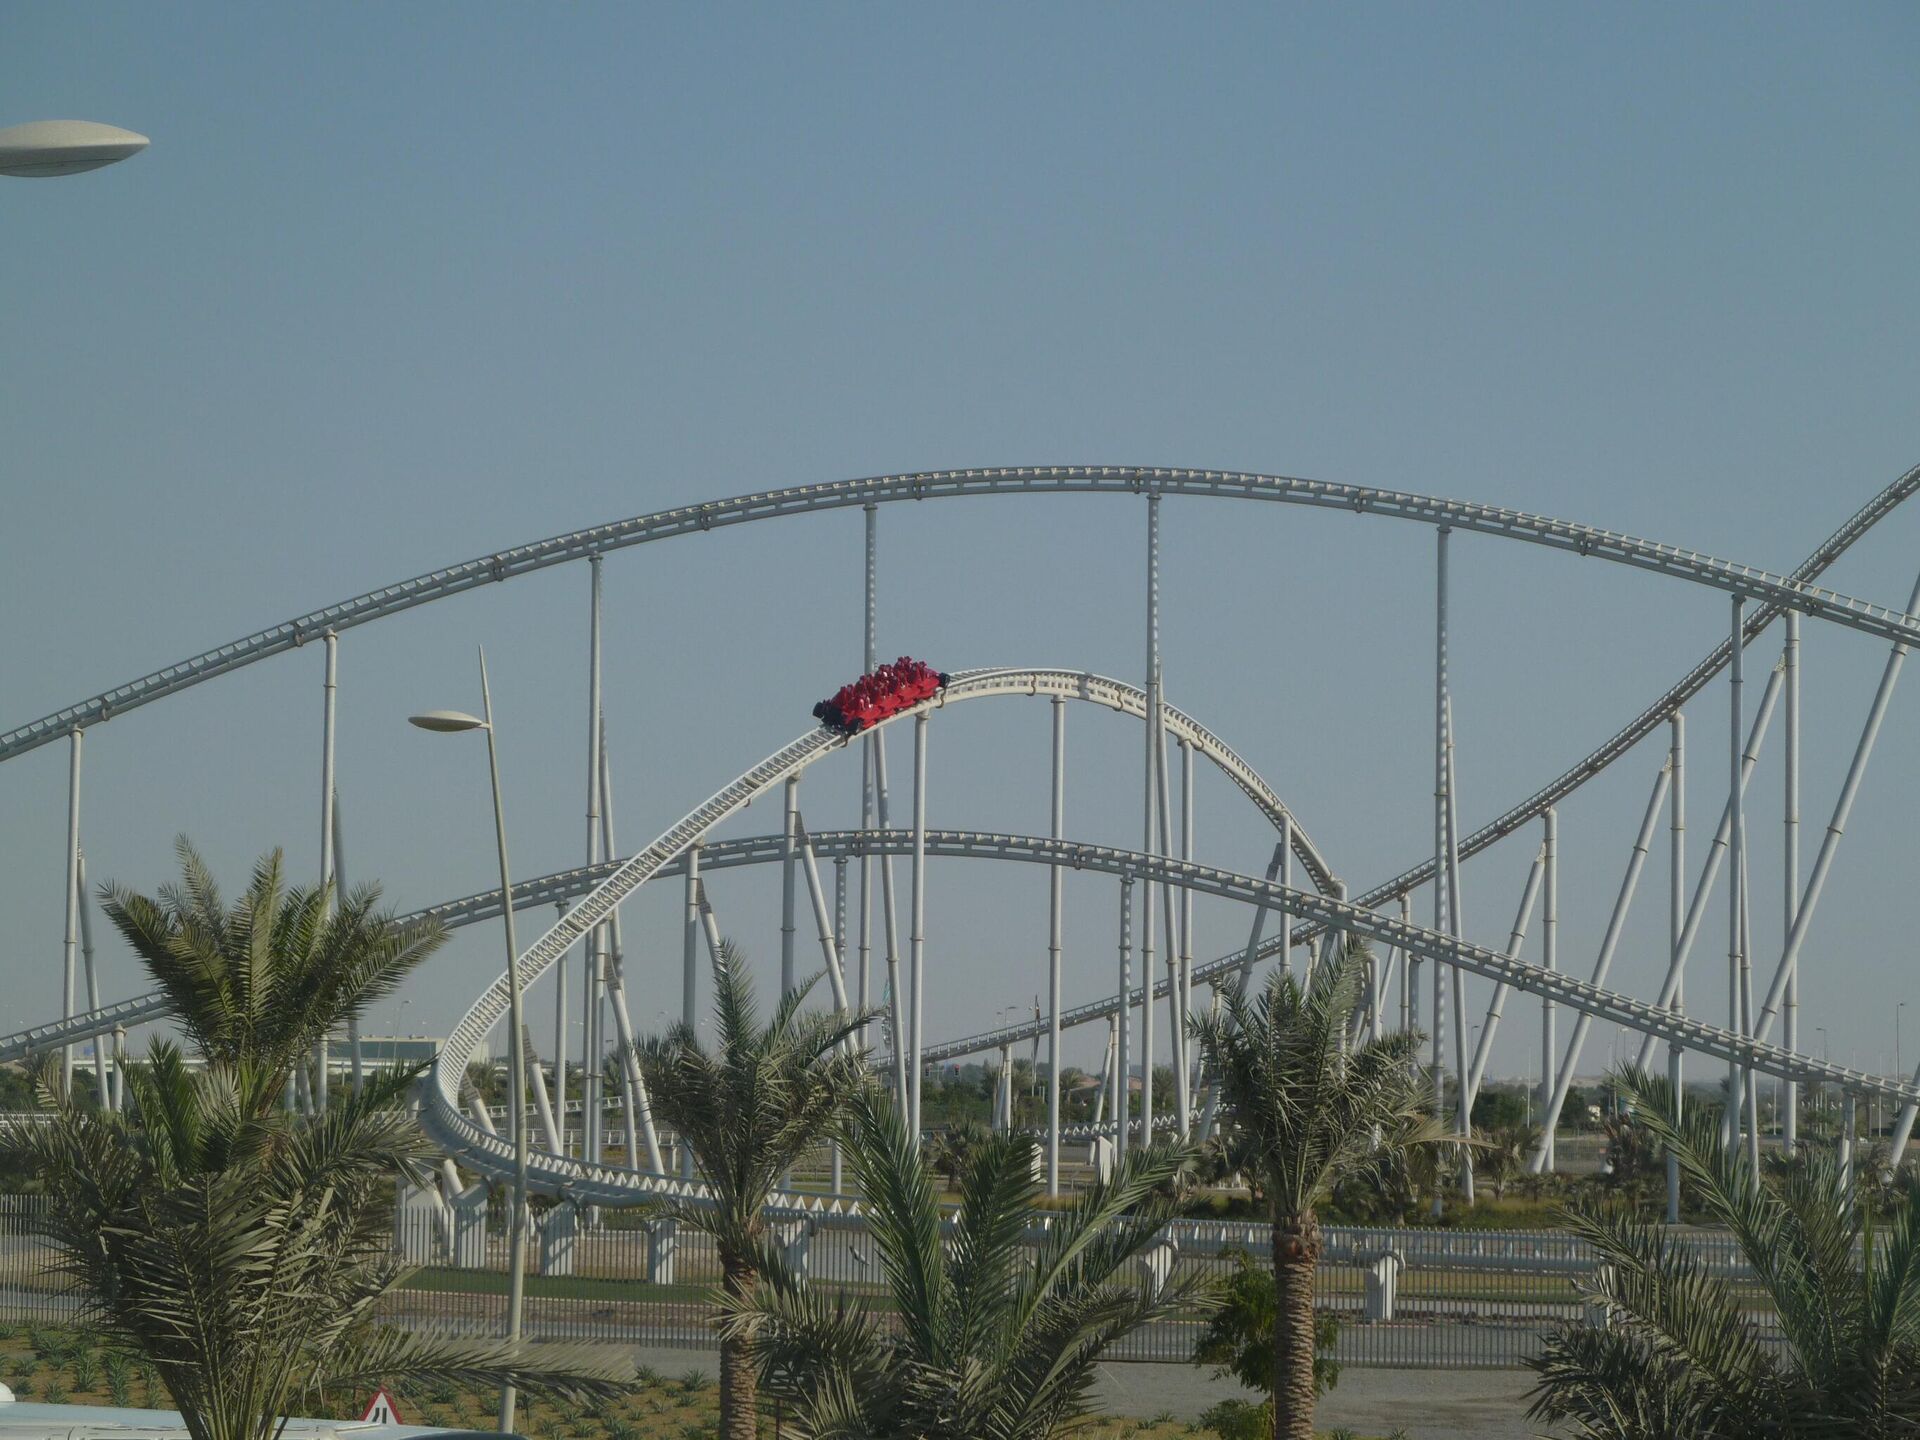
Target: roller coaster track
{"x": 970, "y": 685}
{"x": 605, "y": 886}
{"x": 594, "y": 1183}
{"x": 1795, "y": 591}
{"x": 617, "y": 1185}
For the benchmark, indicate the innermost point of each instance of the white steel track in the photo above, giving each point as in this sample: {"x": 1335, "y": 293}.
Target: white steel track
{"x": 616, "y": 1185}
{"x": 1778, "y": 592}
{"x": 604, "y": 886}
{"x": 565, "y": 885}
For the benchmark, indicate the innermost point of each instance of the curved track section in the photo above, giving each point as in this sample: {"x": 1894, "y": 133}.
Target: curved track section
{"x": 1794, "y": 591}
{"x": 615, "y": 1185}
{"x": 566, "y": 884}
{"x": 1775, "y": 594}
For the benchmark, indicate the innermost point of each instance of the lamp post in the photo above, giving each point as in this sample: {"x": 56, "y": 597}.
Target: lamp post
{"x": 37, "y": 150}
{"x": 42, "y": 149}
{"x": 450, "y": 722}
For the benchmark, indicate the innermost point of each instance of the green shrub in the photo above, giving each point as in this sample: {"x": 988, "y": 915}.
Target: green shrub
{"x": 1238, "y": 1339}
{"x": 119, "y": 1380}
{"x": 1239, "y": 1419}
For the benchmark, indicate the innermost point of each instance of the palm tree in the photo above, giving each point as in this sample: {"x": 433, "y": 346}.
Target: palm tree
{"x": 1682, "y": 1353}
{"x": 950, "y": 1150}
{"x": 1303, "y": 1109}
{"x": 992, "y": 1333}
{"x": 1504, "y": 1152}
{"x": 243, "y": 1250}
{"x": 259, "y": 985}
{"x": 748, "y": 1110}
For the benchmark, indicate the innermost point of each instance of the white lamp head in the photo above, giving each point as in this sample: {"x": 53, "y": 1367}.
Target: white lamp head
{"x": 447, "y": 721}
{"x": 43, "y": 148}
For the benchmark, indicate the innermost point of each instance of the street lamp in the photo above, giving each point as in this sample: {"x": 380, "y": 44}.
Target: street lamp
{"x": 38, "y": 149}
{"x": 44, "y": 148}
{"x": 449, "y": 722}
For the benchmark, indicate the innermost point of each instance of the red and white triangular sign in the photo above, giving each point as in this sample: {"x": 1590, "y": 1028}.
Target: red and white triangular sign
{"x": 381, "y": 1410}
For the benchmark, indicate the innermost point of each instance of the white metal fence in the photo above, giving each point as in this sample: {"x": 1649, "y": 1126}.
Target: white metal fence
{"x": 1405, "y": 1298}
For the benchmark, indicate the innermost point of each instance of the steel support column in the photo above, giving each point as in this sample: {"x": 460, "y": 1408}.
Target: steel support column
{"x": 1836, "y": 826}
{"x": 1849, "y": 1117}
{"x": 1676, "y": 924}
{"x": 1183, "y": 972}
{"x": 1150, "y": 837}
{"x": 918, "y": 939}
{"x": 1409, "y": 973}
{"x": 1549, "y": 960}
{"x": 1170, "y": 932}
{"x": 1123, "y": 1058}
{"x": 869, "y": 778}
{"x": 1516, "y": 941}
{"x": 594, "y": 962}
{"x": 1710, "y": 869}
{"x": 1749, "y": 1075}
{"x": 1463, "y": 1092}
{"x": 106, "y": 1100}
{"x": 1442, "y": 870}
{"x": 355, "y": 1062}
{"x": 1280, "y": 867}
{"x": 1790, "y": 857}
{"x": 1616, "y": 924}
{"x": 321, "y": 1056}
{"x": 689, "y": 972}
{"x": 789, "y": 895}
{"x": 896, "y": 990}
{"x": 1055, "y": 895}
{"x": 1737, "y": 856}
{"x": 633, "y": 1085}
{"x": 70, "y": 948}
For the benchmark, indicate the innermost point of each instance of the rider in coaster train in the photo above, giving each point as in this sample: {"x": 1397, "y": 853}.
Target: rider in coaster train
{"x": 889, "y": 690}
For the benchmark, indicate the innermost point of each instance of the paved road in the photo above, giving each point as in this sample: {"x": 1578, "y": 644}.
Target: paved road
{"x": 1426, "y": 1404}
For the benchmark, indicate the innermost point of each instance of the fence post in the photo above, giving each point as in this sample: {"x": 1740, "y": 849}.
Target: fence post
{"x": 663, "y": 1239}
{"x": 1597, "y": 1309}
{"x": 1156, "y": 1264}
{"x": 795, "y": 1239}
{"x": 416, "y": 1218}
{"x": 558, "y": 1237}
{"x": 1102, "y": 1157}
{"x": 1382, "y": 1282}
{"x": 470, "y": 1228}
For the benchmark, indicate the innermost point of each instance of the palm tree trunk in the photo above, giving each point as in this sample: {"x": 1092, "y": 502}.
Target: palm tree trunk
{"x": 1296, "y": 1250}
{"x": 739, "y": 1387}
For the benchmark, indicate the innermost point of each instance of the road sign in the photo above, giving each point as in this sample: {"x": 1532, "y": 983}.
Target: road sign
{"x": 381, "y": 1410}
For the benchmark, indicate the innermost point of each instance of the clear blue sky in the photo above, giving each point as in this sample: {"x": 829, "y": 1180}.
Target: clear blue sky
{"x": 399, "y": 285}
